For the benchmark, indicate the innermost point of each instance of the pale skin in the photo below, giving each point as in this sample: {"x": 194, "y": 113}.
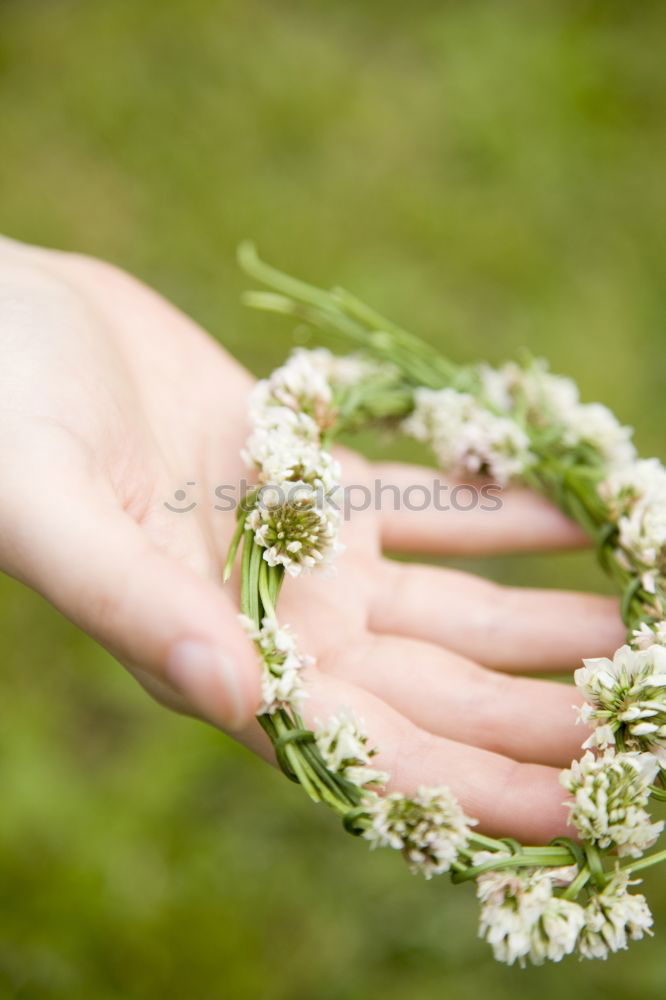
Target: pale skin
{"x": 110, "y": 399}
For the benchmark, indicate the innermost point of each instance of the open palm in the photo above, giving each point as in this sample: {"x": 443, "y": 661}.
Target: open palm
{"x": 119, "y": 419}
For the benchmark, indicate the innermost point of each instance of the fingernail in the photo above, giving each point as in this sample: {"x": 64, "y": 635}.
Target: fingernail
{"x": 205, "y": 675}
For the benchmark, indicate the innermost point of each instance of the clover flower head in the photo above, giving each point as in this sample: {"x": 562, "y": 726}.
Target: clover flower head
{"x": 521, "y": 917}
{"x": 430, "y": 828}
{"x": 636, "y": 498}
{"x": 282, "y": 682}
{"x": 501, "y": 386}
{"x": 610, "y": 794}
{"x": 301, "y": 385}
{"x": 556, "y": 933}
{"x": 284, "y": 447}
{"x": 642, "y": 538}
{"x": 612, "y": 918}
{"x": 548, "y": 399}
{"x": 295, "y": 526}
{"x": 310, "y": 383}
{"x": 343, "y": 744}
{"x": 626, "y": 699}
{"x": 649, "y": 635}
{"x": 544, "y": 396}
{"x": 466, "y": 437}
{"x": 595, "y": 425}
{"x": 267, "y": 414}
{"x": 342, "y": 371}
{"x": 633, "y": 483}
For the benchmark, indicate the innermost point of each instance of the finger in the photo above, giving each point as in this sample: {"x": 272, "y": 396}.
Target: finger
{"x": 508, "y": 798}
{"x": 93, "y": 562}
{"x": 506, "y": 628}
{"x": 422, "y": 511}
{"x": 447, "y": 695}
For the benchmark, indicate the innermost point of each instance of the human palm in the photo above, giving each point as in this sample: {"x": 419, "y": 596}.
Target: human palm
{"x": 114, "y": 401}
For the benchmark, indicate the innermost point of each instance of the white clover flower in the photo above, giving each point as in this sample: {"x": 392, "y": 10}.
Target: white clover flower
{"x": 636, "y": 498}
{"x": 594, "y": 424}
{"x": 632, "y": 483}
{"x": 511, "y": 904}
{"x": 556, "y": 933}
{"x": 626, "y": 698}
{"x": 550, "y": 399}
{"x": 546, "y": 397}
{"x": 282, "y": 682}
{"x": 343, "y": 744}
{"x": 499, "y": 385}
{"x": 466, "y": 437}
{"x": 294, "y": 519}
{"x": 557, "y": 395}
{"x": 642, "y": 537}
{"x": 268, "y": 414}
{"x": 284, "y": 446}
{"x": 521, "y": 918}
{"x": 613, "y": 917}
{"x": 610, "y": 794}
{"x": 295, "y": 526}
{"x": 345, "y": 370}
{"x": 300, "y": 385}
{"x": 649, "y": 635}
{"x": 308, "y": 383}
{"x": 430, "y": 828}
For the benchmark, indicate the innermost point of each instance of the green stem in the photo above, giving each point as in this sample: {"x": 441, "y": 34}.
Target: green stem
{"x": 559, "y": 856}
{"x": 265, "y": 589}
{"x": 489, "y": 842}
{"x": 275, "y": 580}
{"x": 648, "y": 862}
{"x": 245, "y": 597}
{"x": 580, "y": 881}
{"x": 544, "y": 860}
{"x": 253, "y": 570}
{"x": 233, "y": 548}
{"x": 298, "y": 766}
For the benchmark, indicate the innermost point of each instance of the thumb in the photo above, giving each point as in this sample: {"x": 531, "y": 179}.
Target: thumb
{"x": 156, "y": 615}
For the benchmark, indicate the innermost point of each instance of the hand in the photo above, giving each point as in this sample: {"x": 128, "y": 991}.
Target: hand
{"x": 112, "y": 400}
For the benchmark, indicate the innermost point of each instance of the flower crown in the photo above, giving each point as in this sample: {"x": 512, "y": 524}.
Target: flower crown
{"x": 509, "y": 423}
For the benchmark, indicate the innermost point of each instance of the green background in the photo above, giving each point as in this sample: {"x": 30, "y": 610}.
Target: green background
{"x": 491, "y": 175}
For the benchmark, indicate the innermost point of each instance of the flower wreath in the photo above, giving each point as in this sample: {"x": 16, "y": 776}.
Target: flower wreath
{"x": 512, "y": 422}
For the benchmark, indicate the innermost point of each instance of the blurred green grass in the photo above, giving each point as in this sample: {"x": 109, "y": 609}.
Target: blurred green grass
{"x": 489, "y": 174}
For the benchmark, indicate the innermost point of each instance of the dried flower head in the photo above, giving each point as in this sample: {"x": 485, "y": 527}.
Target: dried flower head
{"x": 610, "y": 794}
{"x": 282, "y": 681}
{"x": 521, "y": 918}
{"x": 612, "y": 918}
{"x": 430, "y": 828}
{"x": 343, "y": 744}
